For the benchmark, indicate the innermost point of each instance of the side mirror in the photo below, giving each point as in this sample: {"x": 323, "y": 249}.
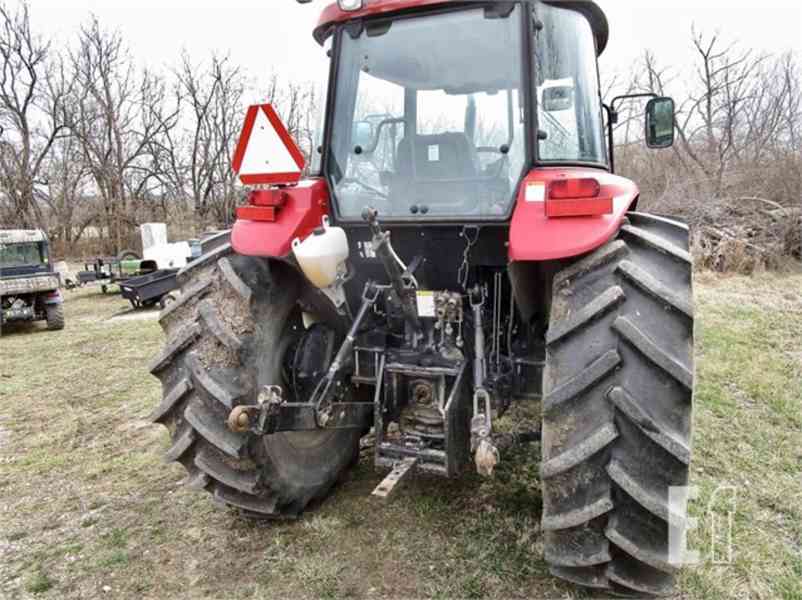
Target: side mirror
{"x": 660, "y": 123}
{"x": 362, "y": 135}
{"x": 559, "y": 97}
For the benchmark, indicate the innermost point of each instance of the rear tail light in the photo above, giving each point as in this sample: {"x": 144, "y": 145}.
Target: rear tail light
{"x": 581, "y": 197}
{"x": 569, "y": 189}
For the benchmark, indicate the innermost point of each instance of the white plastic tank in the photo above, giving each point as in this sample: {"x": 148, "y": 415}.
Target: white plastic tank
{"x": 322, "y": 255}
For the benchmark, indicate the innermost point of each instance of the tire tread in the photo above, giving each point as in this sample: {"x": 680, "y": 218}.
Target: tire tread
{"x": 622, "y": 321}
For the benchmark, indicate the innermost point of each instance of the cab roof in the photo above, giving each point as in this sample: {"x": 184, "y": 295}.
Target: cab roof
{"x": 21, "y": 236}
{"x": 333, "y": 15}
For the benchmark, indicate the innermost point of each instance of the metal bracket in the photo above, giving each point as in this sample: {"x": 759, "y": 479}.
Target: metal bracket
{"x": 261, "y": 418}
{"x": 273, "y": 414}
{"x": 481, "y": 423}
{"x": 486, "y": 454}
{"x": 390, "y": 484}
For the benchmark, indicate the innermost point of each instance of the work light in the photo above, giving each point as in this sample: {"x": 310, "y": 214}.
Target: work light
{"x": 350, "y": 4}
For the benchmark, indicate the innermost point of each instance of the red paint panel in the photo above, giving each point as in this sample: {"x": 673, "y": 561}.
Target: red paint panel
{"x": 332, "y": 13}
{"x": 536, "y": 236}
{"x": 303, "y": 210}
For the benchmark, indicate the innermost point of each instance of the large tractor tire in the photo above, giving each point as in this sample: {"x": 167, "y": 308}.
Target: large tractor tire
{"x": 230, "y": 332}
{"x": 55, "y": 317}
{"x": 617, "y": 409}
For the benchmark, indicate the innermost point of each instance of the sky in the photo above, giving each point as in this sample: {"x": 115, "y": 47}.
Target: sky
{"x": 268, "y": 35}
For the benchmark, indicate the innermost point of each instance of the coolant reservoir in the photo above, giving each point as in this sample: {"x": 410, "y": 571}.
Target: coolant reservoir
{"x": 322, "y": 255}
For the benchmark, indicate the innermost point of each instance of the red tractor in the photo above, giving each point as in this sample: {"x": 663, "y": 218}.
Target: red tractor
{"x": 460, "y": 245}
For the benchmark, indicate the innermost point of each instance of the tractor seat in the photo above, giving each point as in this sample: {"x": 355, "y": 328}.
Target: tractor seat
{"x": 441, "y": 161}
{"x": 442, "y": 156}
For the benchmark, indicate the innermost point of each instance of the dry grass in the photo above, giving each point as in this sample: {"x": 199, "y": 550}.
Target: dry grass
{"x": 88, "y": 510}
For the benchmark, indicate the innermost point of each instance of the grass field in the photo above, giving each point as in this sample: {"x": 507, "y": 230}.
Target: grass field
{"x": 88, "y": 510}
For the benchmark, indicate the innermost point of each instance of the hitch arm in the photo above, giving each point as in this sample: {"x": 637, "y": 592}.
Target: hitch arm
{"x": 322, "y": 396}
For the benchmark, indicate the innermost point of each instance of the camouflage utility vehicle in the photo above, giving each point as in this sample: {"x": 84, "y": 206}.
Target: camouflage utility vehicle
{"x": 29, "y": 287}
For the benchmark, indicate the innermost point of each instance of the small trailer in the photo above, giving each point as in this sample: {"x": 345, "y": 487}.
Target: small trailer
{"x": 99, "y": 270}
{"x": 107, "y": 271}
{"x": 148, "y": 290}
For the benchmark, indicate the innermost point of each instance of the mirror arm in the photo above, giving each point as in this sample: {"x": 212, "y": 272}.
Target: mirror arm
{"x": 612, "y": 119}
{"x": 629, "y": 97}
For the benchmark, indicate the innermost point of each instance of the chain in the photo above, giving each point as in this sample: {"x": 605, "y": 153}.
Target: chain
{"x": 470, "y": 242}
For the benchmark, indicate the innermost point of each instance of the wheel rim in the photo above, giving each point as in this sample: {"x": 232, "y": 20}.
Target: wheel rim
{"x": 298, "y": 440}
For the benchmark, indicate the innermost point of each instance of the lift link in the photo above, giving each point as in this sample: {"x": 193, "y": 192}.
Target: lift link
{"x": 326, "y": 389}
{"x": 404, "y": 291}
{"x": 486, "y": 455}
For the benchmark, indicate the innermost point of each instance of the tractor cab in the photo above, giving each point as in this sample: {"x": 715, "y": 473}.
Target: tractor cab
{"x": 439, "y": 114}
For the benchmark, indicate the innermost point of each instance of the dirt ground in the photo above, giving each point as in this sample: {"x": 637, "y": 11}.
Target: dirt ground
{"x": 88, "y": 510}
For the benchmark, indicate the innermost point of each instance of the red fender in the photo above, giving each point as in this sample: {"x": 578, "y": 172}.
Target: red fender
{"x": 534, "y": 236}
{"x": 302, "y": 210}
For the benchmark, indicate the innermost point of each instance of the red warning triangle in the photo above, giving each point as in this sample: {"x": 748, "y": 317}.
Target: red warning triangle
{"x": 266, "y": 152}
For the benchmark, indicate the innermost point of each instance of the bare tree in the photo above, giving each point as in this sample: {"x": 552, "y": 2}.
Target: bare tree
{"x": 67, "y": 199}
{"x": 121, "y": 113}
{"x": 736, "y": 170}
{"x": 297, "y": 103}
{"x": 32, "y": 94}
{"x": 214, "y": 97}
{"x": 710, "y": 132}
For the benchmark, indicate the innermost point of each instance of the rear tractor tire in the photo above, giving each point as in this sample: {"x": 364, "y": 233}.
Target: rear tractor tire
{"x": 55, "y": 317}
{"x": 617, "y": 410}
{"x": 229, "y": 333}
